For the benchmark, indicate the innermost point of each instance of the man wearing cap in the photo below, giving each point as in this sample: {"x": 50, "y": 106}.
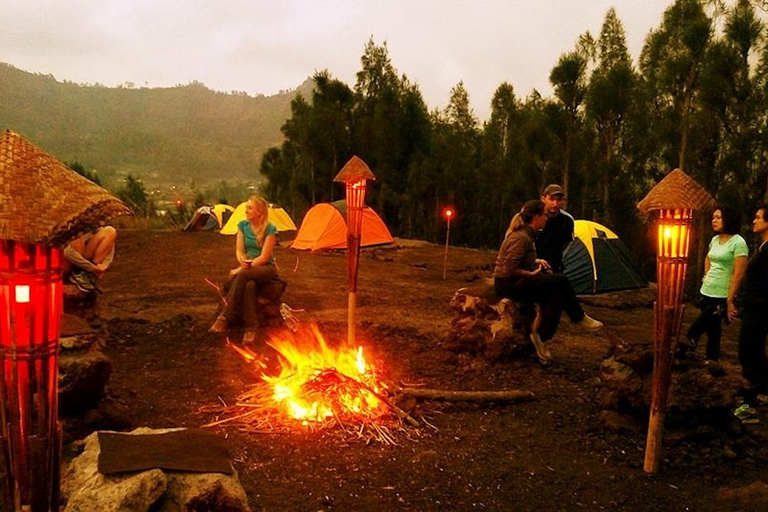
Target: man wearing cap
{"x": 558, "y": 232}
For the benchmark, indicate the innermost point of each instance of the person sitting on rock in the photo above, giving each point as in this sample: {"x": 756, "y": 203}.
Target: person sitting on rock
{"x": 88, "y": 257}
{"x": 256, "y": 240}
{"x": 521, "y": 276}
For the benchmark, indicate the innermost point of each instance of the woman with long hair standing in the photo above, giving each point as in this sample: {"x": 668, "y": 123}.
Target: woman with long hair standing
{"x": 723, "y": 270}
{"x": 256, "y": 239}
{"x": 519, "y": 275}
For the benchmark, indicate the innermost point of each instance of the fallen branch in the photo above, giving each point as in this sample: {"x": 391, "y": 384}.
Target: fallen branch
{"x": 510, "y": 395}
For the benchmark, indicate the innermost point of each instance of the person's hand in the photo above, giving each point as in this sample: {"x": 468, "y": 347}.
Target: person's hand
{"x": 732, "y": 311}
{"x": 100, "y": 269}
{"x": 543, "y": 265}
{"x": 537, "y": 270}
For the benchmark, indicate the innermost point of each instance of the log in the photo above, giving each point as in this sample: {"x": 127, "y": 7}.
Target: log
{"x": 509, "y": 395}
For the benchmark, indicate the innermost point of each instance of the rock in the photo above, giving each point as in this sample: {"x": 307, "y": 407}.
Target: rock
{"x": 202, "y": 491}
{"x": 621, "y": 422}
{"x": 82, "y": 379}
{"x": 484, "y": 325}
{"x": 754, "y": 495}
{"x": 86, "y": 490}
{"x": 697, "y": 396}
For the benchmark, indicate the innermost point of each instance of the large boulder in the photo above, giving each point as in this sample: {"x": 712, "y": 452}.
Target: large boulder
{"x": 85, "y": 489}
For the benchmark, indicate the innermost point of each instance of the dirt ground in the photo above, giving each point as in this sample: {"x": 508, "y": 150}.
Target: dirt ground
{"x": 552, "y": 453}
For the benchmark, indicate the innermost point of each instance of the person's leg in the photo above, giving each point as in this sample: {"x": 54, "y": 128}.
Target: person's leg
{"x": 699, "y": 326}
{"x": 567, "y": 296}
{"x": 98, "y": 246}
{"x": 714, "y": 327}
{"x": 234, "y": 296}
{"x": 752, "y": 339}
{"x": 544, "y": 291}
{"x": 249, "y": 305}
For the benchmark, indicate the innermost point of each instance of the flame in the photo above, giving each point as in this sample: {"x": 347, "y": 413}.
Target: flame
{"x": 317, "y": 382}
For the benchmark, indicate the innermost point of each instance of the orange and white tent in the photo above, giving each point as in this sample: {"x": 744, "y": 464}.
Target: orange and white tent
{"x": 325, "y": 227}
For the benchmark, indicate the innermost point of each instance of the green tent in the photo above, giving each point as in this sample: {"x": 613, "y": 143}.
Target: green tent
{"x": 598, "y": 261}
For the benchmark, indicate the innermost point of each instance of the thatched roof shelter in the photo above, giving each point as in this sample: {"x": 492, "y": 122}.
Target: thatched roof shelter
{"x": 44, "y": 201}
{"x": 355, "y": 170}
{"x": 676, "y": 190}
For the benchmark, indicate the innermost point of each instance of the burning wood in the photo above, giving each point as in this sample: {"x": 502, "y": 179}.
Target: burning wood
{"x": 318, "y": 386}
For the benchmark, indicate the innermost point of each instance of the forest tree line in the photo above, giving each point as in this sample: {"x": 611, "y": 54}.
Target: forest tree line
{"x": 697, "y": 100}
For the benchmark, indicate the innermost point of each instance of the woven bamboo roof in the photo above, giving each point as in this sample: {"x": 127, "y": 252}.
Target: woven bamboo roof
{"x": 676, "y": 190}
{"x": 44, "y": 201}
{"x": 355, "y": 170}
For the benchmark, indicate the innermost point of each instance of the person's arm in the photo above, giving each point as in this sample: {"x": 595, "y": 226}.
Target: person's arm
{"x": 242, "y": 258}
{"x": 739, "y": 265}
{"x": 266, "y": 252}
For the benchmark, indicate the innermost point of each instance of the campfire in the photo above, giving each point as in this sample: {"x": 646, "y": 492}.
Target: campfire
{"x": 317, "y": 383}
{"x": 315, "y": 386}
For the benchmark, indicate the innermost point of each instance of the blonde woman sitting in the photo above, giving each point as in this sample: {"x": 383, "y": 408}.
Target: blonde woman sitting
{"x": 256, "y": 239}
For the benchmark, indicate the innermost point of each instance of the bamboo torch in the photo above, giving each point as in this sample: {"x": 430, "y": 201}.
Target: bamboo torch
{"x": 354, "y": 175}
{"x": 673, "y": 200}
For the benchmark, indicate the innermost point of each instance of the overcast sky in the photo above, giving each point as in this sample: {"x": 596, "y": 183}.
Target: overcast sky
{"x": 264, "y": 46}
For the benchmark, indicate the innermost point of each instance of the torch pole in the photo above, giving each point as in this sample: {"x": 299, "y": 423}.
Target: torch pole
{"x": 445, "y": 255}
{"x": 351, "y": 309}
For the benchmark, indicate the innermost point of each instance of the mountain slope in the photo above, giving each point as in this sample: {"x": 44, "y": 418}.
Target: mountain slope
{"x": 171, "y": 135}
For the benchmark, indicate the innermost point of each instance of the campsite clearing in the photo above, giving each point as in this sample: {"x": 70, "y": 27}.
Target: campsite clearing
{"x": 554, "y": 453}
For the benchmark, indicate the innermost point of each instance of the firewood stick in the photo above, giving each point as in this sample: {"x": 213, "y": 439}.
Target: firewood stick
{"x": 403, "y": 415}
{"x": 510, "y": 395}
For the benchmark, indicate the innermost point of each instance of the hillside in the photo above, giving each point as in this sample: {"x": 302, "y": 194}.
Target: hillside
{"x": 166, "y": 136}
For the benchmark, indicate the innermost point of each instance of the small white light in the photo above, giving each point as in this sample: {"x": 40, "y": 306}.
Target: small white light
{"x": 22, "y": 293}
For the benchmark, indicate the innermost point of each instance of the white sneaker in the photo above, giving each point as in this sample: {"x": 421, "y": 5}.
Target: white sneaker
{"x": 541, "y": 350}
{"x": 589, "y": 323}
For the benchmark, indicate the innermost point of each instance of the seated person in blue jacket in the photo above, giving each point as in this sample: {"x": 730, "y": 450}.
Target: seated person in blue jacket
{"x": 88, "y": 257}
{"x": 256, "y": 240}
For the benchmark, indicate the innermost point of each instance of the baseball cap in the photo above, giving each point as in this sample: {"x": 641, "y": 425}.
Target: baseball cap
{"x": 553, "y": 190}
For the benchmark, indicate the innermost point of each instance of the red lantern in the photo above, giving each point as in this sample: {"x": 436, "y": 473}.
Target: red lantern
{"x": 30, "y": 312}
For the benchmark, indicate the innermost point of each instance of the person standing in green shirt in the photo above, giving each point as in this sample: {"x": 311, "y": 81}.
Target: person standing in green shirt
{"x": 723, "y": 270}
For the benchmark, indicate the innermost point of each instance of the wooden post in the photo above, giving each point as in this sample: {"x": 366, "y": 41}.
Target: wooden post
{"x": 354, "y": 175}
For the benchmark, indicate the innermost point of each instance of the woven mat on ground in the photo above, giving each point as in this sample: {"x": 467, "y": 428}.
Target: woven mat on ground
{"x": 192, "y": 450}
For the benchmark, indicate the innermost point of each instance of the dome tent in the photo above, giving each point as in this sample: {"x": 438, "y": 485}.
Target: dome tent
{"x": 325, "y": 227}
{"x": 277, "y": 216}
{"x": 207, "y": 218}
{"x": 597, "y": 261}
